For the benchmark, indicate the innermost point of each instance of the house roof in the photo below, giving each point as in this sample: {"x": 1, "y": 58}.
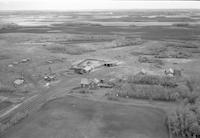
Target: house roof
{"x": 85, "y": 81}
{"x": 88, "y": 68}
{"x": 96, "y": 80}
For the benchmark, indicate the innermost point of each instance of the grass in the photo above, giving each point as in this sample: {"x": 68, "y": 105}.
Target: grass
{"x": 193, "y": 83}
{"x": 112, "y": 98}
{"x": 71, "y": 50}
{"x": 8, "y": 26}
{"x": 143, "y": 59}
{"x": 7, "y": 90}
{"x": 174, "y": 54}
{"x": 13, "y": 121}
{"x": 85, "y": 91}
{"x": 174, "y": 50}
{"x": 123, "y": 42}
{"x": 3, "y": 57}
{"x": 181, "y": 24}
{"x": 182, "y": 45}
{"x": 169, "y": 50}
{"x": 75, "y": 118}
{"x": 4, "y": 104}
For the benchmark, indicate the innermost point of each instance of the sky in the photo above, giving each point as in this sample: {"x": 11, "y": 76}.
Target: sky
{"x": 96, "y": 4}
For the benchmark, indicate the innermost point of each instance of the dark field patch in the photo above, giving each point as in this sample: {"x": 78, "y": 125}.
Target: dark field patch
{"x": 146, "y": 19}
{"x": 162, "y": 33}
{"x": 3, "y": 57}
{"x": 6, "y": 90}
{"x": 146, "y": 32}
{"x": 71, "y": 50}
{"x": 5, "y": 104}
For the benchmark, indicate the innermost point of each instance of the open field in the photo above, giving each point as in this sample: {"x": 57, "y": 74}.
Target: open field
{"x": 84, "y": 118}
{"x": 39, "y": 52}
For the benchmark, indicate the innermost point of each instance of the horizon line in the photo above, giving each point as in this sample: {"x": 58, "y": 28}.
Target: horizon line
{"x": 103, "y": 9}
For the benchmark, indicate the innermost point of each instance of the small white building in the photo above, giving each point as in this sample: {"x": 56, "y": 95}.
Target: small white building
{"x": 85, "y": 82}
{"x": 96, "y": 81}
{"x": 87, "y": 69}
{"x": 18, "y": 82}
{"x": 170, "y": 72}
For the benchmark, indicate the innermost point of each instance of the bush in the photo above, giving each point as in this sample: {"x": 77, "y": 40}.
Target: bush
{"x": 155, "y": 87}
{"x": 181, "y": 24}
{"x": 13, "y": 120}
{"x": 7, "y": 90}
{"x": 193, "y": 83}
{"x": 85, "y": 91}
{"x": 185, "y": 122}
{"x": 143, "y": 59}
{"x": 122, "y": 42}
{"x": 152, "y": 92}
{"x": 17, "y": 117}
{"x": 153, "y": 80}
{"x": 8, "y": 26}
{"x": 173, "y": 54}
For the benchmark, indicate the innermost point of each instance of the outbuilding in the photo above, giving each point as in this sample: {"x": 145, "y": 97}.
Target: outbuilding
{"x": 85, "y": 83}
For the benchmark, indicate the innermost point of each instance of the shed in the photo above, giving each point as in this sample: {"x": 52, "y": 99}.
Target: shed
{"x": 85, "y": 82}
{"x": 96, "y": 81}
{"x": 19, "y": 81}
{"x": 88, "y": 68}
{"x": 169, "y": 72}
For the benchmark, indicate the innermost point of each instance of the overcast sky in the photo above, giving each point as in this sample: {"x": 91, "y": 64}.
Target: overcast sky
{"x": 96, "y": 4}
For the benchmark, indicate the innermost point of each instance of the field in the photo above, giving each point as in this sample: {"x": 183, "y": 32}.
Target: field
{"x": 135, "y": 92}
{"x": 74, "y": 117}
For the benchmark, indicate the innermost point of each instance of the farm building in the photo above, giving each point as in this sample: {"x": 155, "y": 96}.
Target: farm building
{"x": 95, "y": 83}
{"x": 88, "y": 65}
{"x": 80, "y": 70}
{"x": 173, "y": 72}
{"x": 85, "y": 82}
